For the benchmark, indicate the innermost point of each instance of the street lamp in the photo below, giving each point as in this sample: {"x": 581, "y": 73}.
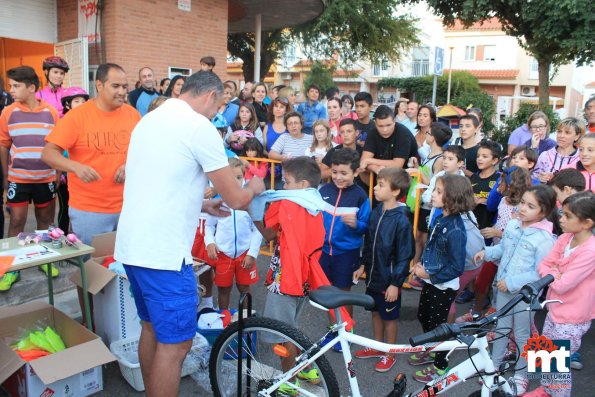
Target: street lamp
{"x": 449, "y": 76}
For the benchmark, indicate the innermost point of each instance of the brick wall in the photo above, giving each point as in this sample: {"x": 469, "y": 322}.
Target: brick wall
{"x": 155, "y": 33}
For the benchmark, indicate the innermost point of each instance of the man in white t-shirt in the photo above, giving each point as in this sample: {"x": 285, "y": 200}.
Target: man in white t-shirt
{"x": 172, "y": 151}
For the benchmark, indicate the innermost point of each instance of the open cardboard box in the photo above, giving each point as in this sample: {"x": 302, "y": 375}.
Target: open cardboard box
{"x": 114, "y": 312}
{"x": 75, "y": 371}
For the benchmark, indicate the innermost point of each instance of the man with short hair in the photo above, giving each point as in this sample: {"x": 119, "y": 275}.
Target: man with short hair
{"x": 311, "y": 109}
{"x": 411, "y": 121}
{"x": 389, "y": 144}
{"x": 246, "y": 93}
{"x": 96, "y": 135}
{"x": 157, "y": 226}
{"x": 142, "y": 97}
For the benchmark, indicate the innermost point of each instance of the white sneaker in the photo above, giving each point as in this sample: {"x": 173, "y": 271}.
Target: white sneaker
{"x": 521, "y": 384}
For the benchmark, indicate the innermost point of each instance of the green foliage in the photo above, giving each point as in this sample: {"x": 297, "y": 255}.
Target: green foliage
{"x": 359, "y": 30}
{"x": 353, "y": 29}
{"x": 465, "y": 93}
{"x": 519, "y": 118}
{"x": 555, "y": 32}
{"x": 321, "y": 75}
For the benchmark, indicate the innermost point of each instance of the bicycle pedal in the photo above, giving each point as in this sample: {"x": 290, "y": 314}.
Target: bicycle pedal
{"x": 399, "y": 385}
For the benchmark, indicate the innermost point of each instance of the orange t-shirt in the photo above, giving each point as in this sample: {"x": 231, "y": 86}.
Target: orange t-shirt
{"x": 100, "y": 140}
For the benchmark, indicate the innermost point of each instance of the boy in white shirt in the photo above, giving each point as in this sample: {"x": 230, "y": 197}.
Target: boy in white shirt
{"x": 233, "y": 243}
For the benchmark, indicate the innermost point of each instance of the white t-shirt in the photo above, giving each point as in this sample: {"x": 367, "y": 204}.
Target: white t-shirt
{"x": 170, "y": 151}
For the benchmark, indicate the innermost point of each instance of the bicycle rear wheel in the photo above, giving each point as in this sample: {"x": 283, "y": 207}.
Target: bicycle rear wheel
{"x": 261, "y": 336}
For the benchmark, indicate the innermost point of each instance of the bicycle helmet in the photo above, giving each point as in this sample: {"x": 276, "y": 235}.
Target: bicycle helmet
{"x": 219, "y": 121}
{"x": 72, "y": 92}
{"x": 55, "y": 62}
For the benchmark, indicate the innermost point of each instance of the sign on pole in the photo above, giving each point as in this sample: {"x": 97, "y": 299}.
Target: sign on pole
{"x": 438, "y": 61}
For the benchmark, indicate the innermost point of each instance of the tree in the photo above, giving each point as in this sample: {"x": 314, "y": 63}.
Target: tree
{"x": 465, "y": 93}
{"x": 321, "y": 75}
{"x": 353, "y": 29}
{"x": 555, "y": 32}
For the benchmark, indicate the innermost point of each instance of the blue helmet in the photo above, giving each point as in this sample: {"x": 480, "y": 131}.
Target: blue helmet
{"x": 219, "y": 121}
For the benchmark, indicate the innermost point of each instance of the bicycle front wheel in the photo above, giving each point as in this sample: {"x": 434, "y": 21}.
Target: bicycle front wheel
{"x": 264, "y": 342}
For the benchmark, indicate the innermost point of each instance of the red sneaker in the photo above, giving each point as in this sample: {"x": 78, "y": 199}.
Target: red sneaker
{"x": 368, "y": 353}
{"x": 385, "y": 363}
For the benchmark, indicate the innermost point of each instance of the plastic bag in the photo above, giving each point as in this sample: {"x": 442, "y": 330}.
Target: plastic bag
{"x": 36, "y": 339}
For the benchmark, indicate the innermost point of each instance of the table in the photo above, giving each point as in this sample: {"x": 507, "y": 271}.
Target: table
{"x": 68, "y": 254}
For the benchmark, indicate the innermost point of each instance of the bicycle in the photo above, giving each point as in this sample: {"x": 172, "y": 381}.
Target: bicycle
{"x": 264, "y": 343}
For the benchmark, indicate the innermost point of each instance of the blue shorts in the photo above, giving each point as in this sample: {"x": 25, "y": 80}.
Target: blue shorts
{"x": 339, "y": 268}
{"x": 387, "y": 310}
{"x": 167, "y": 299}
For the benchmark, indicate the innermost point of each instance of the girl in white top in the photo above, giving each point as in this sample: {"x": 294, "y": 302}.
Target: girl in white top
{"x": 321, "y": 143}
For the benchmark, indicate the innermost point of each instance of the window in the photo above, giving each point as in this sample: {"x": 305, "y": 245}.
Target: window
{"x": 385, "y": 65}
{"x": 533, "y": 69}
{"x": 376, "y": 69}
{"x": 420, "y": 61}
{"x": 489, "y": 53}
{"x": 173, "y": 71}
{"x": 470, "y": 53}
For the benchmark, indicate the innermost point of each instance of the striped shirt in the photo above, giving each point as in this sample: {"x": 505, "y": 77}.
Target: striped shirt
{"x": 290, "y": 146}
{"x": 23, "y": 131}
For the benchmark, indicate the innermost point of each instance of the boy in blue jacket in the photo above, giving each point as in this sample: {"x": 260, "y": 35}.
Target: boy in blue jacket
{"x": 388, "y": 249}
{"x": 346, "y": 225}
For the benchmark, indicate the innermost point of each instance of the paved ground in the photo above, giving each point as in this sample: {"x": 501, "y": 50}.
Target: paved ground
{"x": 372, "y": 383}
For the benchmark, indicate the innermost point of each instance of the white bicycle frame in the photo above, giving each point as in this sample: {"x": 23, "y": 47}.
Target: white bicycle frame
{"x": 481, "y": 361}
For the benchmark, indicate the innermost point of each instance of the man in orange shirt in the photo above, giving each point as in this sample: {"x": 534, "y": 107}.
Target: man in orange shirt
{"x": 23, "y": 127}
{"x": 96, "y": 136}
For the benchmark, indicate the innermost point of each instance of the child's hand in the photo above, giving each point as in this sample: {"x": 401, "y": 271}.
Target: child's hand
{"x": 420, "y": 272}
{"x": 249, "y": 262}
{"x": 210, "y": 192}
{"x": 212, "y": 250}
{"x": 502, "y": 287}
{"x": 350, "y": 220}
{"x": 491, "y": 232}
{"x": 544, "y": 177}
{"x": 391, "y": 294}
{"x": 358, "y": 273}
{"x": 480, "y": 200}
{"x": 245, "y": 162}
{"x": 479, "y": 257}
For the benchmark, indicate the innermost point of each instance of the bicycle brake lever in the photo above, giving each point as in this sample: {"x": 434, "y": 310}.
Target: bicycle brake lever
{"x": 466, "y": 339}
{"x": 536, "y": 306}
{"x": 451, "y": 350}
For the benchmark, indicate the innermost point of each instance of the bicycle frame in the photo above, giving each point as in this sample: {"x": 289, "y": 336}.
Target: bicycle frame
{"x": 481, "y": 361}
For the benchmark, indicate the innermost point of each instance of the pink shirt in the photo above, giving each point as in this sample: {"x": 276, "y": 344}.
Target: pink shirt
{"x": 575, "y": 281}
{"x": 52, "y": 97}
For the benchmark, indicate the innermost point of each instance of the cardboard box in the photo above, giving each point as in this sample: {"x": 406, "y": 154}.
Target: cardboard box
{"x": 114, "y": 312}
{"x": 75, "y": 371}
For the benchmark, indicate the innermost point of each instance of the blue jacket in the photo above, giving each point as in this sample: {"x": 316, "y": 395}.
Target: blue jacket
{"x": 340, "y": 238}
{"x": 311, "y": 113}
{"x": 230, "y": 113}
{"x": 141, "y": 98}
{"x": 495, "y": 196}
{"x": 443, "y": 257}
{"x": 388, "y": 248}
{"x": 520, "y": 251}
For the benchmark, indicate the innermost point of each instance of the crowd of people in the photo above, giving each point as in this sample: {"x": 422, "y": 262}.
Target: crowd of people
{"x": 489, "y": 221}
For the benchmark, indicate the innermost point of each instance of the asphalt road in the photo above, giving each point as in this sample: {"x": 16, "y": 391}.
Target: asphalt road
{"x": 372, "y": 383}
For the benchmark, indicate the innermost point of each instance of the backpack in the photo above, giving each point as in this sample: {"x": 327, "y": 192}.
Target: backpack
{"x": 475, "y": 241}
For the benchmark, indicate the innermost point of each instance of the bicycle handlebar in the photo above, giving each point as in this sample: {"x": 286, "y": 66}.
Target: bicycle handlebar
{"x": 446, "y": 331}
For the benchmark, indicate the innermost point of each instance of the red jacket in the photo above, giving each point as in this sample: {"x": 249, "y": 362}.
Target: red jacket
{"x": 300, "y": 242}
